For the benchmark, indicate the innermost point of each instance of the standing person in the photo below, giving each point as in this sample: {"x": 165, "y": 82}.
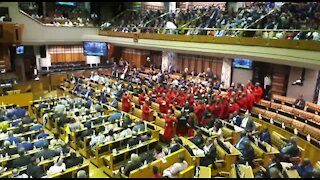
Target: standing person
{"x": 170, "y": 122}
{"x": 267, "y": 84}
{"x": 258, "y": 92}
{"x": 146, "y": 111}
{"x": 126, "y": 103}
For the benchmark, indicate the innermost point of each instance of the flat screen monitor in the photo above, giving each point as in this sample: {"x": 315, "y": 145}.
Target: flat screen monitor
{"x": 19, "y": 49}
{"x": 95, "y": 48}
{"x": 67, "y": 3}
{"x": 242, "y": 63}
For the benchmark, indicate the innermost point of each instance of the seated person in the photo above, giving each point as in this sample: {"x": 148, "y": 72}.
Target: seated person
{"x": 41, "y": 143}
{"x": 305, "y": 168}
{"x": 46, "y": 153}
{"x": 140, "y": 126}
{"x": 134, "y": 140}
{"x": 174, "y": 170}
{"x": 74, "y": 125}
{"x": 82, "y": 174}
{"x": 247, "y": 123}
{"x": 158, "y": 153}
{"x": 7, "y": 149}
{"x": 58, "y": 167}
{"x": 134, "y": 163}
{"x": 247, "y": 153}
{"x": 20, "y": 129}
{"x": 198, "y": 139}
{"x": 97, "y": 138}
{"x": 175, "y": 145}
{"x": 27, "y": 120}
{"x": 275, "y": 173}
{"x": 243, "y": 138}
{"x": 13, "y": 139}
{"x": 114, "y": 116}
{"x": 264, "y": 135}
{"x": 19, "y": 113}
{"x": 73, "y": 160}
{"x": 42, "y": 134}
{"x": 210, "y": 153}
{"x": 26, "y": 145}
{"x": 300, "y": 101}
{"x": 109, "y": 136}
{"x": 36, "y": 126}
{"x": 146, "y": 137}
{"x": 155, "y": 172}
{"x": 316, "y": 173}
{"x": 289, "y": 150}
{"x": 34, "y": 170}
{"x": 17, "y": 174}
{"x": 56, "y": 141}
{"x": 22, "y": 160}
{"x": 127, "y": 120}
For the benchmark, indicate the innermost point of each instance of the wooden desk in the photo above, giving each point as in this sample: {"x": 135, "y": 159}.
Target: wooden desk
{"x": 205, "y": 172}
{"x": 291, "y": 173}
{"x": 245, "y": 171}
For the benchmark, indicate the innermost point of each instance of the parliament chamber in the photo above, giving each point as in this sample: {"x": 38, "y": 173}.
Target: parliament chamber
{"x": 159, "y": 90}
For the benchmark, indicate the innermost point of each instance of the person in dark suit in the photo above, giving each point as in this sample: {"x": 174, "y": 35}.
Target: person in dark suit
{"x": 20, "y": 129}
{"x": 26, "y": 145}
{"x": 13, "y": 138}
{"x": 127, "y": 121}
{"x": 175, "y": 146}
{"x": 27, "y": 120}
{"x": 264, "y": 135}
{"x": 33, "y": 169}
{"x": 46, "y": 153}
{"x": 247, "y": 153}
{"x": 300, "y": 101}
{"x": 134, "y": 164}
{"x": 146, "y": 137}
{"x": 73, "y": 160}
{"x": 305, "y": 168}
{"x": 198, "y": 139}
{"x": 7, "y": 149}
{"x": 23, "y": 160}
{"x": 247, "y": 123}
{"x": 134, "y": 140}
{"x": 289, "y": 150}
{"x": 139, "y": 126}
{"x": 41, "y": 143}
{"x": 210, "y": 153}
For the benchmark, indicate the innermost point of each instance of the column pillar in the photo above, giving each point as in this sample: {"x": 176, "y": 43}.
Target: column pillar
{"x": 226, "y": 72}
{"x": 166, "y": 7}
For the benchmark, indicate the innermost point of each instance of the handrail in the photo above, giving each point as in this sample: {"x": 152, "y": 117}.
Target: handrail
{"x": 261, "y": 18}
{"x": 48, "y": 25}
{"x": 164, "y": 14}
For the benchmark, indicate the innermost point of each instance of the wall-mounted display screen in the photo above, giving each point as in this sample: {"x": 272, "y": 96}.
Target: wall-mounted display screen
{"x": 67, "y": 3}
{"x": 19, "y": 49}
{"x": 242, "y": 63}
{"x": 95, "y": 49}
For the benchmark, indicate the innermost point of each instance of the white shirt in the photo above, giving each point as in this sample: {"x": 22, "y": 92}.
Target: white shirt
{"x": 4, "y": 135}
{"x": 267, "y": 81}
{"x": 95, "y": 140}
{"x": 207, "y": 148}
{"x": 56, "y": 169}
{"x": 244, "y": 122}
{"x": 175, "y": 169}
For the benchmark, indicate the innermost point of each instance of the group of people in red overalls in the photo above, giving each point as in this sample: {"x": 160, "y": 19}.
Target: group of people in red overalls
{"x": 220, "y": 105}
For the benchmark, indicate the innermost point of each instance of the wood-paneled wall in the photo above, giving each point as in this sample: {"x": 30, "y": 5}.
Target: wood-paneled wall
{"x": 199, "y": 63}
{"x": 137, "y": 56}
{"x": 66, "y": 53}
{"x": 156, "y": 58}
{"x": 4, "y": 56}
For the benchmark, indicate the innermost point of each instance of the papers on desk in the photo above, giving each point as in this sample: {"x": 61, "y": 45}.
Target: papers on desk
{"x": 198, "y": 152}
{"x": 238, "y": 129}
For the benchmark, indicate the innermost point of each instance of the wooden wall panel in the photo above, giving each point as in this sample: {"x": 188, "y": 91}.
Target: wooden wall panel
{"x": 199, "y": 64}
{"x": 66, "y": 53}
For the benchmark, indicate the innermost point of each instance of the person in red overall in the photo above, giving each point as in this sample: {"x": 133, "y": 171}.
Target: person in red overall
{"x": 249, "y": 84}
{"x": 126, "y": 103}
{"x": 243, "y": 101}
{"x": 169, "y": 127}
{"x": 146, "y": 111}
{"x": 141, "y": 98}
{"x": 250, "y": 98}
{"x": 199, "y": 111}
{"x": 163, "y": 105}
{"x": 258, "y": 92}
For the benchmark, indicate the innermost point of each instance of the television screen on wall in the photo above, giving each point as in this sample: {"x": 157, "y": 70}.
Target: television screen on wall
{"x": 19, "y": 49}
{"x": 95, "y": 49}
{"x": 242, "y": 63}
{"x": 67, "y": 3}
